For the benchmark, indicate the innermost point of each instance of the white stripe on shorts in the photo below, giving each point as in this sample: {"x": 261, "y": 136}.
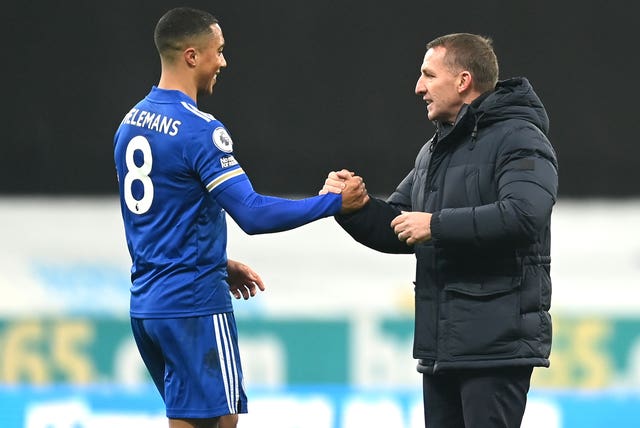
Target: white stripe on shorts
{"x": 227, "y": 360}
{"x": 236, "y": 394}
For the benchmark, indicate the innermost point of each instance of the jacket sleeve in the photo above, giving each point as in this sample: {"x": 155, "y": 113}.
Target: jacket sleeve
{"x": 371, "y": 225}
{"x": 526, "y": 177}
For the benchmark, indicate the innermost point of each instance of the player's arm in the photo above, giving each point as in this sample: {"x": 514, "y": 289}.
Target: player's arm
{"x": 225, "y": 181}
{"x": 256, "y": 213}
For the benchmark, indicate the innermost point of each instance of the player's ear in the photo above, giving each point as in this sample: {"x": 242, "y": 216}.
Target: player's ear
{"x": 190, "y": 57}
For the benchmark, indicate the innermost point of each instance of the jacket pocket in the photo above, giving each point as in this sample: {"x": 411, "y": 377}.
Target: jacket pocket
{"x": 426, "y": 306}
{"x": 482, "y": 318}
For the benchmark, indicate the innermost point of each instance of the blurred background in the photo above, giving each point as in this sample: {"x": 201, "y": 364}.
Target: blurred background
{"x": 310, "y": 87}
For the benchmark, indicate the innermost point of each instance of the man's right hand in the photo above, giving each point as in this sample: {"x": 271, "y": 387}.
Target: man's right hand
{"x": 351, "y": 186}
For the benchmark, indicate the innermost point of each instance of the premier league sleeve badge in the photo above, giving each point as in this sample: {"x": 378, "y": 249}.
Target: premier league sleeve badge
{"x": 222, "y": 139}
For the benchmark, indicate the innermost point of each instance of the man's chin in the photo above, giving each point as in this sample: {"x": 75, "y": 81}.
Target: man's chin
{"x": 432, "y": 115}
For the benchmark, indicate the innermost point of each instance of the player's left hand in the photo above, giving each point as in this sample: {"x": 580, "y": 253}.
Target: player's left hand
{"x": 412, "y": 227}
{"x": 243, "y": 281}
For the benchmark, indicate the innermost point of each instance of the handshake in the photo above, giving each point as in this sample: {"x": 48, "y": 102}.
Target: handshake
{"x": 411, "y": 227}
{"x": 351, "y": 186}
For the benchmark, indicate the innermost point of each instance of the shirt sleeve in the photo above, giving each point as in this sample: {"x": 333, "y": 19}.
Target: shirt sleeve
{"x": 256, "y": 213}
{"x": 210, "y": 154}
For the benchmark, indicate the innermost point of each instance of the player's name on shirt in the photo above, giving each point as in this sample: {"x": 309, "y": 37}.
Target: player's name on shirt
{"x": 153, "y": 121}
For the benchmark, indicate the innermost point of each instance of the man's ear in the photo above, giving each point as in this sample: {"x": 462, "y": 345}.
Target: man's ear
{"x": 465, "y": 81}
{"x": 190, "y": 57}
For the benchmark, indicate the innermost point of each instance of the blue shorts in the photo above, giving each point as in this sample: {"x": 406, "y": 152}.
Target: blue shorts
{"x": 195, "y": 364}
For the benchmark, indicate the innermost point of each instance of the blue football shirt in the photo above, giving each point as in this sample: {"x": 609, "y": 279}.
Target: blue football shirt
{"x": 177, "y": 177}
{"x": 169, "y": 157}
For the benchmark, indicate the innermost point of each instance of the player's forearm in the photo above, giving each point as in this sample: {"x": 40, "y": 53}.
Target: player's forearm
{"x": 256, "y": 213}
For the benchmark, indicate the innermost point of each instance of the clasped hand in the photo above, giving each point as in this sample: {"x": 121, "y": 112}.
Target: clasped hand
{"x": 410, "y": 227}
{"x": 351, "y": 186}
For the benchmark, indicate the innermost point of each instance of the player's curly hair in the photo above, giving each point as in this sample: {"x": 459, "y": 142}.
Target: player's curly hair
{"x": 180, "y": 25}
{"x": 473, "y": 53}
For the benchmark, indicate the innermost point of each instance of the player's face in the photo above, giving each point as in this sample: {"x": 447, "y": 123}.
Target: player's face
{"x": 438, "y": 87}
{"x": 212, "y": 60}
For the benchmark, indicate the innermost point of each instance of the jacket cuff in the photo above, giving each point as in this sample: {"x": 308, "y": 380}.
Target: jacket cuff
{"x": 348, "y": 218}
{"x": 436, "y": 227}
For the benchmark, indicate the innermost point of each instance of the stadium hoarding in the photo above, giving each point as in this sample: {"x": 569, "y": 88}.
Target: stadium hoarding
{"x": 359, "y": 351}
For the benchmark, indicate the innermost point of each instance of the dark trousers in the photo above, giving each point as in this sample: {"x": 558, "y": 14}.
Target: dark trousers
{"x": 485, "y": 398}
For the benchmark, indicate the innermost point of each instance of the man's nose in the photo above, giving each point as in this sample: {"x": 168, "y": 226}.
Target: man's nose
{"x": 420, "y": 88}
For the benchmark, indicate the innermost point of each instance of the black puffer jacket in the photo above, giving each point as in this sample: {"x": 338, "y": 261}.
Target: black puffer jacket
{"x": 483, "y": 288}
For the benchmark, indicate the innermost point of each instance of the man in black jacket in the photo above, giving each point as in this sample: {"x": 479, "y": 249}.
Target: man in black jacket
{"x": 475, "y": 210}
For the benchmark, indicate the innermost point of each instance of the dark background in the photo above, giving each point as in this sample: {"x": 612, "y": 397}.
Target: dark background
{"x": 311, "y": 86}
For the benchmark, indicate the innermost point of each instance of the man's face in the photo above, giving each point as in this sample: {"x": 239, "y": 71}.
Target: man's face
{"x": 211, "y": 60}
{"x": 438, "y": 87}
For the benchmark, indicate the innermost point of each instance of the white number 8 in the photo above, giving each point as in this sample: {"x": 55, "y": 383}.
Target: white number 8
{"x": 141, "y": 173}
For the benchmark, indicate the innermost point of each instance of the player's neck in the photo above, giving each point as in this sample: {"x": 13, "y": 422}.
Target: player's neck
{"x": 176, "y": 83}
